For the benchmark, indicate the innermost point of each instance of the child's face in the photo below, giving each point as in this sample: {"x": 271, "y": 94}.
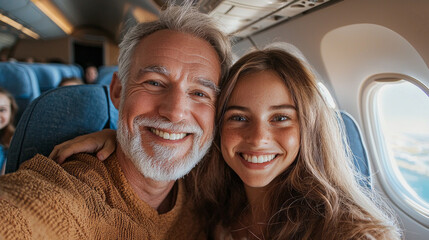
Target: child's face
{"x": 5, "y": 111}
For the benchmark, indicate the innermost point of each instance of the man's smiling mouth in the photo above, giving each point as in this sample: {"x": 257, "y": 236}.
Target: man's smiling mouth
{"x": 167, "y": 135}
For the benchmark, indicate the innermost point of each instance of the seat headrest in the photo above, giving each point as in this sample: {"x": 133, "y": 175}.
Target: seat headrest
{"x": 59, "y": 115}
{"x": 357, "y": 146}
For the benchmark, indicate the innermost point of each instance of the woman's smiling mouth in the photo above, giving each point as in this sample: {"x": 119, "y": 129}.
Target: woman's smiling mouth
{"x": 258, "y": 158}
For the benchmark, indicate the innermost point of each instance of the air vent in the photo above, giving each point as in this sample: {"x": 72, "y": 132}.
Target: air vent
{"x": 242, "y": 18}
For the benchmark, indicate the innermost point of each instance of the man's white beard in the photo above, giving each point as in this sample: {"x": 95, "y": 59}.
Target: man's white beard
{"x": 163, "y": 164}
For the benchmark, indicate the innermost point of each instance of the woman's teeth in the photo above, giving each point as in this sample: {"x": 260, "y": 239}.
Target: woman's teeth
{"x": 258, "y": 159}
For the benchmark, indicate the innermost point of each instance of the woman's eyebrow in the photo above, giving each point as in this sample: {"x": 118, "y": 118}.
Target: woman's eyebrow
{"x": 283, "y": 106}
{"x": 235, "y": 107}
{"x": 274, "y": 107}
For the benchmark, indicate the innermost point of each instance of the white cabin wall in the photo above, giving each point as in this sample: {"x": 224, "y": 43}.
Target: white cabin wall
{"x": 407, "y": 18}
{"x": 353, "y": 53}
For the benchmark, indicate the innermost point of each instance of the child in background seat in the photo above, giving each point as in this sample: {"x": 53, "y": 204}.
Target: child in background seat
{"x": 8, "y": 110}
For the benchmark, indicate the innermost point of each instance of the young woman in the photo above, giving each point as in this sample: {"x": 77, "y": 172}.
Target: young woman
{"x": 8, "y": 109}
{"x": 279, "y": 168}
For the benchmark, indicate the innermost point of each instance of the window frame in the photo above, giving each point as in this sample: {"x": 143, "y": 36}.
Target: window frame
{"x": 384, "y": 172}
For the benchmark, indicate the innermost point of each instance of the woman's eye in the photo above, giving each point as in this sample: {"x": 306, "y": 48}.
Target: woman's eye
{"x": 238, "y": 118}
{"x": 280, "y": 118}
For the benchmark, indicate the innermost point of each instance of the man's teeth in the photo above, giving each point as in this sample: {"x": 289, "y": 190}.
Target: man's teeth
{"x": 258, "y": 159}
{"x": 168, "y": 136}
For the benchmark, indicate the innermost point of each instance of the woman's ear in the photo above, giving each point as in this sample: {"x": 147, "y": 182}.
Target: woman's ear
{"x": 115, "y": 90}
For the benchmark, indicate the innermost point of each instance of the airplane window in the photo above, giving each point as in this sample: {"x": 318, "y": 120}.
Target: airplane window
{"x": 401, "y": 111}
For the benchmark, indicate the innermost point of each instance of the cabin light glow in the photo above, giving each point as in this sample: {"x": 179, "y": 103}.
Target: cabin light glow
{"x": 30, "y": 33}
{"x": 142, "y": 15}
{"x": 18, "y": 26}
{"x": 54, "y": 14}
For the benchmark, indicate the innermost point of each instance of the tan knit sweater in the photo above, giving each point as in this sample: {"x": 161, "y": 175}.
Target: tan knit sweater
{"x": 84, "y": 199}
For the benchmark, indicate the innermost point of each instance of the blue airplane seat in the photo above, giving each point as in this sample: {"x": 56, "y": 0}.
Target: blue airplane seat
{"x": 48, "y": 76}
{"x": 59, "y": 115}
{"x": 3, "y": 156}
{"x": 65, "y": 70}
{"x": 76, "y": 70}
{"x": 105, "y": 74}
{"x": 79, "y": 68}
{"x": 357, "y": 146}
{"x": 21, "y": 81}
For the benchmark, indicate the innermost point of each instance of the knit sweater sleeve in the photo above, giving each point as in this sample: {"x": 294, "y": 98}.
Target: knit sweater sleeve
{"x": 12, "y": 224}
{"x": 41, "y": 201}
{"x": 84, "y": 199}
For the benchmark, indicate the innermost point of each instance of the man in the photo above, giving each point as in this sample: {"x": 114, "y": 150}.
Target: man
{"x": 165, "y": 89}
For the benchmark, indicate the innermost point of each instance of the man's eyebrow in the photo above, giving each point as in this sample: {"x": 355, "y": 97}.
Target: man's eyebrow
{"x": 209, "y": 84}
{"x": 163, "y": 70}
{"x": 156, "y": 69}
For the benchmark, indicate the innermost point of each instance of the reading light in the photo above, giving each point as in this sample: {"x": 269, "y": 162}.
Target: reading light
{"x": 18, "y": 26}
{"x": 54, "y": 14}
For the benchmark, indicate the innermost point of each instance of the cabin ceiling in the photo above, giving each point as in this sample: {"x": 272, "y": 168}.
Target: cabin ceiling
{"x": 240, "y": 18}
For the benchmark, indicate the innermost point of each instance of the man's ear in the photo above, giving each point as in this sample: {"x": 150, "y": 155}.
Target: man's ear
{"x": 115, "y": 90}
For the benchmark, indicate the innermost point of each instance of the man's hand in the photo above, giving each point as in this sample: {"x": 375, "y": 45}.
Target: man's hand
{"x": 103, "y": 143}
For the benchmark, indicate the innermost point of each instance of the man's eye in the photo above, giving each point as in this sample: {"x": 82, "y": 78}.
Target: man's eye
{"x": 153, "y": 83}
{"x": 200, "y": 94}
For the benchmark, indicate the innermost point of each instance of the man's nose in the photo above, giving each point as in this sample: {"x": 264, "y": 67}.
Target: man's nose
{"x": 175, "y": 106}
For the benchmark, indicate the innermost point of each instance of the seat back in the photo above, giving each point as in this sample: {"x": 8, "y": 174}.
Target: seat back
{"x": 77, "y": 70}
{"x": 67, "y": 71}
{"x": 3, "y": 155}
{"x": 59, "y": 115}
{"x": 21, "y": 81}
{"x": 357, "y": 146}
{"x": 48, "y": 76}
{"x": 105, "y": 74}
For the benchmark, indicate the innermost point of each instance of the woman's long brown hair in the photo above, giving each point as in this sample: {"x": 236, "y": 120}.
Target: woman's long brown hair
{"x": 318, "y": 196}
